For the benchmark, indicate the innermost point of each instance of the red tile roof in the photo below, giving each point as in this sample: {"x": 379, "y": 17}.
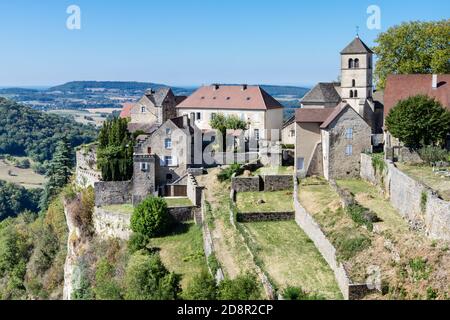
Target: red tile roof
{"x": 313, "y": 115}
{"x": 400, "y": 87}
{"x": 230, "y": 97}
{"x": 126, "y": 111}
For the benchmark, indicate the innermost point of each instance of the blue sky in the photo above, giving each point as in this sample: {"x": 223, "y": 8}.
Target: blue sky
{"x": 190, "y": 42}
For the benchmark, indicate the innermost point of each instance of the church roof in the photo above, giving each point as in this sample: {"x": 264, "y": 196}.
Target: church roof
{"x": 322, "y": 93}
{"x": 356, "y": 46}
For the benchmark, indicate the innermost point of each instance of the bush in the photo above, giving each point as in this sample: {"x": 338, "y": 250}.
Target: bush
{"x": 226, "y": 174}
{"x": 244, "y": 287}
{"x": 137, "y": 242}
{"x": 431, "y": 154}
{"x": 151, "y": 218}
{"x": 202, "y": 287}
{"x": 362, "y": 216}
{"x": 147, "y": 278}
{"x": 296, "y": 293}
{"x": 106, "y": 287}
{"x": 213, "y": 263}
{"x": 349, "y": 245}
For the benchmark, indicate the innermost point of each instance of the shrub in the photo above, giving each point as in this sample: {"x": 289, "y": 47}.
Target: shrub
{"x": 362, "y": 216}
{"x": 213, "y": 263}
{"x": 423, "y": 201}
{"x": 378, "y": 163}
{"x": 202, "y": 287}
{"x": 151, "y": 218}
{"x": 137, "y": 242}
{"x": 244, "y": 287}
{"x": 106, "y": 287}
{"x": 431, "y": 154}
{"x": 226, "y": 174}
{"x": 419, "y": 269}
{"x": 296, "y": 293}
{"x": 348, "y": 245}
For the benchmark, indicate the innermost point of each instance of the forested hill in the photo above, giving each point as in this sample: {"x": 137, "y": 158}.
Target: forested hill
{"x": 26, "y": 132}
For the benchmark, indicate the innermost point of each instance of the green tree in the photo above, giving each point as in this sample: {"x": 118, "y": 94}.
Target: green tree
{"x": 147, "y": 278}
{"x": 202, "y": 287}
{"x": 15, "y": 199}
{"x": 295, "y": 293}
{"x": 59, "y": 172}
{"x": 419, "y": 121}
{"x": 413, "y": 47}
{"x": 151, "y": 218}
{"x": 106, "y": 287}
{"x": 244, "y": 287}
{"x": 115, "y": 151}
{"x": 221, "y": 123}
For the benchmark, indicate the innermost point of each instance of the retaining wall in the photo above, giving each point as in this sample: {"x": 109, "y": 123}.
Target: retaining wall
{"x": 246, "y": 184}
{"x": 265, "y": 216}
{"x": 109, "y": 224}
{"x": 278, "y": 182}
{"x": 110, "y": 193}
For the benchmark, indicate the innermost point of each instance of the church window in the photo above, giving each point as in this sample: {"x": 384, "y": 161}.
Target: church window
{"x": 351, "y": 93}
{"x": 356, "y": 63}
{"x": 353, "y": 83}
{"x": 350, "y": 64}
{"x": 356, "y": 93}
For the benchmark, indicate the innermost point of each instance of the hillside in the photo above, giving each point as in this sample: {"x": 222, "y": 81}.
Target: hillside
{"x": 27, "y": 132}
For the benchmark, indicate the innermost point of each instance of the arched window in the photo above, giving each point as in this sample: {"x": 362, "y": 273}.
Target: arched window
{"x": 351, "y": 93}
{"x": 353, "y": 83}
{"x": 356, "y": 63}
{"x": 350, "y": 64}
{"x": 356, "y": 93}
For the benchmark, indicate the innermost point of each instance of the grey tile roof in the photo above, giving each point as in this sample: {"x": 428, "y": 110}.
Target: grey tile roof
{"x": 356, "y": 46}
{"x": 158, "y": 96}
{"x": 322, "y": 93}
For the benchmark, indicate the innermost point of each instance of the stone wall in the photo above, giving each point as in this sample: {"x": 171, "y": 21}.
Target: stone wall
{"x": 419, "y": 205}
{"x": 85, "y": 173}
{"x": 109, "y": 224}
{"x": 194, "y": 191}
{"x": 245, "y": 184}
{"x": 110, "y": 193}
{"x": 265, "y": 216}
{"x": 278, "y": 182}
{"x": 182, "y": 214}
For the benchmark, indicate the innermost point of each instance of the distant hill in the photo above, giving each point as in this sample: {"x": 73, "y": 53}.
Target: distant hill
{"x": 296, "y": 92}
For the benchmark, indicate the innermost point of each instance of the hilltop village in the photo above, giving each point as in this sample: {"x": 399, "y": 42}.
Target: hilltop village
{"x": 332, "y": 178}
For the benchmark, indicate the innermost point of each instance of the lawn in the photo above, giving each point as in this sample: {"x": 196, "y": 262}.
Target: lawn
{"x": 291, "y": 259}
{"x": 27, "y": 178}
{"x": 182, "y": 251}
{"x": 275, "y": 171}
{"x": 426, "y": 175}
{"x": 277, "y": 201}
{"x": 120, "y": 208}
{"x": 174, "y": 202}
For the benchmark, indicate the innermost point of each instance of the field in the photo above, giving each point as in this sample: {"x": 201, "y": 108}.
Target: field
{"x": 89, "y": 116}
{"x": 291, "y": 259}
{"x": 182, "y": 251}
{"x": 24, "y": 177}
{"x": 426, "y": 175}
{"x": 278, "y": 201}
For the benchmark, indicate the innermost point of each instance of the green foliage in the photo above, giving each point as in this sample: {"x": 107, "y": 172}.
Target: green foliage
{"x": 295, "y": 293}
{"x": 59, "y": 172}
{"x": 413, "y": 47}
{"x": 244, "y": 287}
{"x": 82, "y": 286}
{"x": 419, "y": 121}
{"x": 148, "y": 279}
{"x": 419, "y": 269}
{"x": 288, "y": 146}
{"x": 115, "y": 151}
{"x": 151, "y": 218}
{"x": 226, "y": 174}
{"x": 431, "y": 294}
{"x": 15, "y": 199}
{"x": 26, "y": 132}
{"x": 423, "y": 201}
{"x": 378, "y": 163}
{"x": 361, "y": 216}
{"x": 213, "y": 264}
{"x": 221, "y": 123}
{"x": 432, "y": 154}
{"x": 349, "y": 245}
{"x": 106, "y": 287}
{"x": 202, "y": 287}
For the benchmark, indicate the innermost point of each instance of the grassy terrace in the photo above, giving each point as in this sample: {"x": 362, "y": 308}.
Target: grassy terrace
{"x": 290, "y": 258}
{"x": 426, "y": 175}
{"x": 275, "y": 171}
{"x": 182, "y": 251}
{"x": 278, "y": 201}
{"x": 174, "y": 202}
{"x": 120, "y": 208}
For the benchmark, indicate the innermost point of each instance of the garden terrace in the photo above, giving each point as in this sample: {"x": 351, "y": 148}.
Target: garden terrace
{"x": 275, "y": 171}
{"x": 176, "y": 202}
{"x": 276, "y": 201}
{"x": 291, "y": 259}
{"x": 120, "y": 208}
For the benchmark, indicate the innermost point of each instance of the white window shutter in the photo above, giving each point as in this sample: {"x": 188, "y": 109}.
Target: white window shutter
{"x": 175, "y": 161}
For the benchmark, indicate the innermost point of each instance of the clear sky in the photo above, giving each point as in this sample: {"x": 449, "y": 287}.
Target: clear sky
{"x": 190, "y": 42}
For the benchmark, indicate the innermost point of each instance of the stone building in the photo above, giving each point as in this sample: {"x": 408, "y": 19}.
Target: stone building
{"x": 288, "y": 132}
{"x": 329, "y": 141}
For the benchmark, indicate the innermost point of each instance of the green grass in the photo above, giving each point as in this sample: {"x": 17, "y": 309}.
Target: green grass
{"x": 120, "y": 208}
{"x": 426, "y": 175}
{"x": 275, "y": 171}
{"x": 174, "y": 202}
{"x": 182, "y": 251}
{"x": 277, "y": 201}
{"x": 291, "y": 259}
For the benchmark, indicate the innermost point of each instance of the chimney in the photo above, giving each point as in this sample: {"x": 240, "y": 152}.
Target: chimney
{"x": 216, "y": 87}
{"x": 434, "y": 83}
{"x": 192, "y": 118}
{"x": 244, "y": 87}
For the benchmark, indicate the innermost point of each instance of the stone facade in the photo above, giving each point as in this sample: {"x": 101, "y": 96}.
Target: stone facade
{"x": 86, "y": 173}
{"x": 245, "y": 184}
{"x": 265, "y": 183}
{"x": 111, "y": 193}
{"x": 194, "y": 191}
{"x": 265, "y": 216}
{"x": 109, "y": 224}
{"x": 182, "y": 214}
{"x": 143, "y": 177}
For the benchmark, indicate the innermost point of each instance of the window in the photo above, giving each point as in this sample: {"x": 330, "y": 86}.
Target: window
{"x": 143, "y": 109}
{"x": 169, "y": 177}
{"x": 356, "y": 63}
{"x": 349, "y": 150}
{"x": 292, "y": 133}
{"x": 168, "y": 143}
{"x": 356, "y": 93}
{"x": 351, "y": 93}
{"x": 353, "y": 83}
{"x": 349, "y": 133}
{"x": 199, "y": 116}
{"x": 168, "y": 161}
{"x": 213, "y": 115}
{"x": 144, "y": 166}
{"x": 350, "y": 64}
{"x": 168, "y": 131}
{"x": 300, "y": 164}
{"x": 256, "y": 134}
{"x": 243, "y": 116}
{"x": 149, "y": 150}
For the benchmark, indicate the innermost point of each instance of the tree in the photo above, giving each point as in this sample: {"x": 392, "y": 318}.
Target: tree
{"x": 147, "y": 278}
{"x": 244, "y": 287}
{"x": 202, "y": 287}
{"x": 151, "y": 218}
{"x": 115, "y": 151}
{"x": 106, "y": 287}
{"x": 15, "y": 199}
{"x": 419, "y": 121}
{"x": 295, "y": 293}
{"x": 59, "y": 172}
{"x": 413, "y": 47}
{"x": 222, "y": 123}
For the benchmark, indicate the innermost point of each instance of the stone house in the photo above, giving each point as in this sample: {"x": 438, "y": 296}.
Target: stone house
{"x": 152, "y": 110}
{"x": 329, "y": 141}
{"x": 257, "y": 108}
{"x": 401, "y": 87}
{"x": 288, "y": 132}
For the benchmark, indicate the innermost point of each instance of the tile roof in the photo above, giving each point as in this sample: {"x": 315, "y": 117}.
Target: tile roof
{"x": 357, "y": 46}
{"x": 158, "y": 96}
{"x": 315, "y": 115}
{"x": 336, "y": 112}
{"x": 126, "y": 111}
{"x": 230, "y": 97}
{"x": 289, "y": 121}
{"x": 400, "y": 87}
{"x": 323, "y": 92}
